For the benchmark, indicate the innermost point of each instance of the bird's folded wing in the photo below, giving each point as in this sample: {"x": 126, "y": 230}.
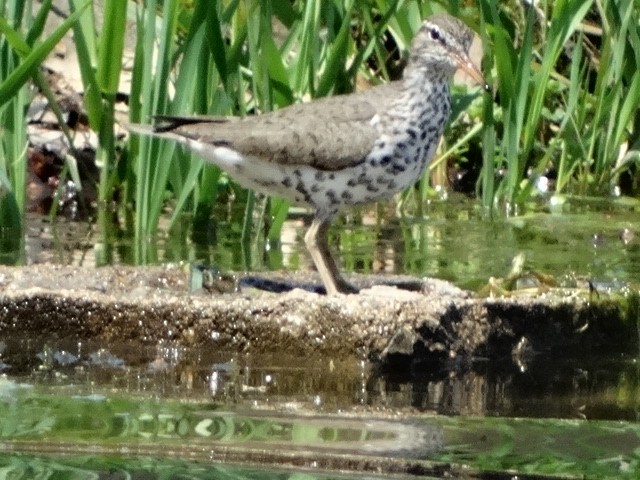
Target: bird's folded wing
{"x": 325, "y": 146}
{"x": 329, "y": 134}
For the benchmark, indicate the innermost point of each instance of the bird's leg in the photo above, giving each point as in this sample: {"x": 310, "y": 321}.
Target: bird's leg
{"x": 317, "y": 243}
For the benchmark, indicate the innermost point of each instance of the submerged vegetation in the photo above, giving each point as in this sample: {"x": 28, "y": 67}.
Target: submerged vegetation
{"x": 562, "y": 117}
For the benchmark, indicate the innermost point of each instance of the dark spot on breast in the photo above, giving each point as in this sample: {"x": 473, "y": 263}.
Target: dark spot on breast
{"x": 386, "y": 160}
{"x": 286, "y": 182}
{"x": 331, "y": 195}
{"x": 319, "y": 176}
{"x": 409, "y": 159}
{"x": 395, "y": 169}
{"x": 382, "y": 180}
{"x": 346, "y": 195}
{"x": 300, "y": 187}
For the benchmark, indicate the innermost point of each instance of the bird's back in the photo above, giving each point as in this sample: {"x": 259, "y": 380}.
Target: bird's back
{"x": 328, "y": 134}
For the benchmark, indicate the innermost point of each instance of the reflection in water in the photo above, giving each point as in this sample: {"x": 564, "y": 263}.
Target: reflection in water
{"x": 453, "y": 242}
{"x": 593, "y": 388}
{"x": 90, "y": 467}
{"x": 152, "y": 406}
{"x": 526, "y": 386}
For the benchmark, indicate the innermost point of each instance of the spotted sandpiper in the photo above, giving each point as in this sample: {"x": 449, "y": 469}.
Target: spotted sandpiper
{"x": 342, "y": 150}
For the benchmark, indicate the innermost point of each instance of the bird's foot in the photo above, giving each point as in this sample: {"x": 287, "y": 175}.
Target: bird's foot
{"x": 340, "y": 285}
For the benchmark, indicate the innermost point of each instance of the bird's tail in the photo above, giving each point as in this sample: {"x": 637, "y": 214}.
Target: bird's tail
{"x": 159, "y": 131}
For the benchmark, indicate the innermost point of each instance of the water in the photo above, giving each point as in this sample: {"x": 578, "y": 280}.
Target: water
{"x": 75, "y": 405}
{"x": 454, "y": 241}
{"x": 125, "y": 409}
{"x": 594, "y": 388}
{"x": 92, "y": 467}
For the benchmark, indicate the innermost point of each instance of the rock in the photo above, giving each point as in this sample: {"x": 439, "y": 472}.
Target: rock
{"x": 152, "y": 305}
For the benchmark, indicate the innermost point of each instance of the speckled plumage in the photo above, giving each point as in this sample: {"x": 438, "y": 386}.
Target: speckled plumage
{"x": 342, "y": 150}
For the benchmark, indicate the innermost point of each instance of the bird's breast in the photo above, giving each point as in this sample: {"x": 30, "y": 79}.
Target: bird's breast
{"x": 408, "y": 139}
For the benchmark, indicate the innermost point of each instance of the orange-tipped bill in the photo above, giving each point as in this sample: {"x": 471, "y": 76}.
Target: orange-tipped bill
{"x": 466, "y": 65}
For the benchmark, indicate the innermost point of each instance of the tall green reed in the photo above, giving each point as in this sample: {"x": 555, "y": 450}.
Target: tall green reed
{"x": 99, "y": 52}
{"x": 21, "y": 52}
{"x": 522, "y": 77}
{"x": 577, "y": 118}
{"x": 598, "y": 134}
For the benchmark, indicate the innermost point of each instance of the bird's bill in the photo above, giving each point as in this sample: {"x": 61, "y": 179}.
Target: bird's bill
{"x": 467, "y": 66}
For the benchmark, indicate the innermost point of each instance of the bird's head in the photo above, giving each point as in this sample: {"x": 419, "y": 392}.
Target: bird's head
{"x": 442, "y": 43}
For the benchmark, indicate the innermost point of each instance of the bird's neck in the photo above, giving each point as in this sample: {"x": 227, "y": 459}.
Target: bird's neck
{"x": 418, "y": 76}
{"x": 420, "y": 92}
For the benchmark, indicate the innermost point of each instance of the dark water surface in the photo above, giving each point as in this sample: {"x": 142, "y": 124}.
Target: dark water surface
{"x": 74, "y": 409}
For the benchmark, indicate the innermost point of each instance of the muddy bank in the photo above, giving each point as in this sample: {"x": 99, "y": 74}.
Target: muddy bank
{"x": 421, "y": 319}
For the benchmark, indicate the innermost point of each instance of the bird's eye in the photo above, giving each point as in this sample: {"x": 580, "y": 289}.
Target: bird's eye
{"x": 434, "y": 33}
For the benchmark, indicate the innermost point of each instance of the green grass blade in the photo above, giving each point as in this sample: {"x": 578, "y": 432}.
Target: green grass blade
{"x": 566, "y": 17}
{"x": 503, "y": 51}
{"x": 487, "y": 178}
{"x": 517, "y": 111}
{"x": 37, "y": 26}
{"x": 305, "y": 66}
{"x": 337, "y": 56}
{"x": 216, "y": 41}
{"x": 24, "y": 48}
{"x": 84, "y": 35}
{"x": 279, "y": 212}
{"x": 278, "y": 76}
{"x": 189, "y": 183}
{"x": 18, "y": 77}
{"x": 283, "y": 10}
{"x": 157, "y": 170}
{"x": 111, "y": 46}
